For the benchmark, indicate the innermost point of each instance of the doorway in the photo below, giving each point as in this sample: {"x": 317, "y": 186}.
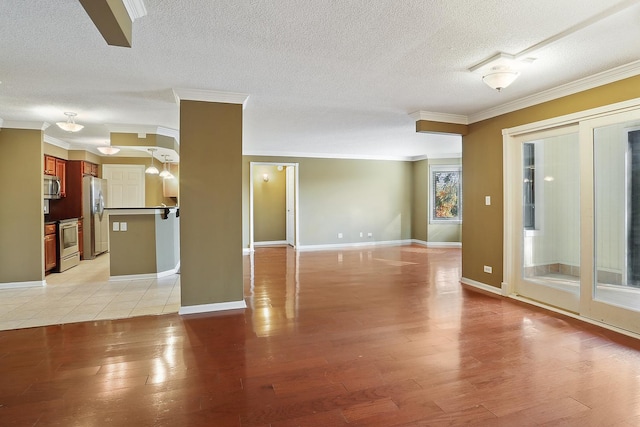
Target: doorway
{"x": 273, "y": 204}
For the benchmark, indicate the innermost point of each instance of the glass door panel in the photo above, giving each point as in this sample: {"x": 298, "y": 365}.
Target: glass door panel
{"x": 550, "y": 220}
{"x": 616, "y": 165}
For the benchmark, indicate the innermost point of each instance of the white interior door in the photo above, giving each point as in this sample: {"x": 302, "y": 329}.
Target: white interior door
{"x": 291, "y": 205}
{"x": 125, "y": 185}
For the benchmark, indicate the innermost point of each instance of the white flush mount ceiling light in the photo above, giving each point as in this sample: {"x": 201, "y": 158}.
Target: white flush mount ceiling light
{"x": 70, "y": 125}
{"x": 152, "y": 170}
{"x": 500, "y": 70}
{"x": 108, "y": 150}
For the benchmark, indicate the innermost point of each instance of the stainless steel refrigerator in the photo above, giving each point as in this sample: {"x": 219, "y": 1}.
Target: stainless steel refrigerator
{"x": 95, "y": 222}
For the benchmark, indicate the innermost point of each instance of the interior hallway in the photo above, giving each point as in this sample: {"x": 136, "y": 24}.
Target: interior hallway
{"x": 376, "y": 337}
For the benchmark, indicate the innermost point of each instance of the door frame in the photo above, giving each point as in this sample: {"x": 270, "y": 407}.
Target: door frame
{"x": 296, "y": 203}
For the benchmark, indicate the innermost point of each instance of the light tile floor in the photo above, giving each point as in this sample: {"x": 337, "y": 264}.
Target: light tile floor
{"x": 84, "y": 293}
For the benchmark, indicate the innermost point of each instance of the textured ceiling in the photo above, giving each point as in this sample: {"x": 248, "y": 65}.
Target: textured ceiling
{"x": 334, "y": 78}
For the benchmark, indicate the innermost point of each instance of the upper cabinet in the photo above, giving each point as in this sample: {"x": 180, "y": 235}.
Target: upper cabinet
{"x": 49, "y": 165}
{"x": 57, "y": 167}
{"x": 89, "y": 168}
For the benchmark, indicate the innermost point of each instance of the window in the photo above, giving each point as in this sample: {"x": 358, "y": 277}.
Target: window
{"x": 529, "y": 182}
{"x": 446, "y": 194}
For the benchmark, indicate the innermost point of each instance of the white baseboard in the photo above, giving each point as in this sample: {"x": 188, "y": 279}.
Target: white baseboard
{"x": 482, "y": 286}
{"x": 208, "y": 308}
{"x": 273, "y": 243}
{"x": 353, "y": 245}
{"x": 158, "y": 275}
{"x": 18, "y": 285}
{"x": 437, "y": 244}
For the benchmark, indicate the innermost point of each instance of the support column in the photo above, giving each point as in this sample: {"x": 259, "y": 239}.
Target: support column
{"x": 21, "y": 214}
{"x": 210, "y": 201}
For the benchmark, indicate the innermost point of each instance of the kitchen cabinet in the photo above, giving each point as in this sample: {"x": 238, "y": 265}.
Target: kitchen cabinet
{"x": 49, "y": 165}
{"x": 89, "y": 168}
{"x": 61, "y": 172}
{"x": 50, "y": 248}
{"x": 80, "y": 238}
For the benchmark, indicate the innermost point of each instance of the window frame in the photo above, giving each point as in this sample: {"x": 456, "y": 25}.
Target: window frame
{"x": 433, "y": 171}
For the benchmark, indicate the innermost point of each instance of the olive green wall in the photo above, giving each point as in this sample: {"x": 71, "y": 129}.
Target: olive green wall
{"x": 21, "y": 216}
{"x": 152, "y": 183}
{"x": 269, "y": 204}
{"x": 211, "y": 202}
{"x": 421, "y": 228}
{"x": 482, "y": 232}
{"x": 346, "y": 196}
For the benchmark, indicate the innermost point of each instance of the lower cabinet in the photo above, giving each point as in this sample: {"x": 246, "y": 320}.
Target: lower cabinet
{"x": 80, "y": 240}
{"x": 50, "y": 247}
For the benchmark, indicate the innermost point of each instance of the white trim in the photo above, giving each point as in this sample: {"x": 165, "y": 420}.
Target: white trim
{"x": 327, "y": 155}
{"x": 437, "y": 244}
{"x": 55, "y": 141}
{"x": 135, "y": 9}
{"x": 207, "y": 308}
{"x": 210, "y": 96}
{"x": 436, "y": 156}
{"x": 133, "y": 277}
{"x": 18, "y": 285}
{"x": 272, "y": 243}
{"x": 24, "y": 124}
{"x": 329, "y": 247}
{"x": 144, "y": 129}
{"x": 482, "y": 286}
{"x": 170, "y": 272}
{"x": 247, "y": 251}
{"x": 440, "y": 117}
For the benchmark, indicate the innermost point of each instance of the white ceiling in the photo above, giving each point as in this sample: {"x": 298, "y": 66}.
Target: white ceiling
{"x": 335, "y": 78}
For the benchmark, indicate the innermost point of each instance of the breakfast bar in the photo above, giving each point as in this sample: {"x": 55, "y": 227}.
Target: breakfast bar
{"x": 144, "y": 242}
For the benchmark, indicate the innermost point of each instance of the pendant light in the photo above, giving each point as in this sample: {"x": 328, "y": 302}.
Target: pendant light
{"x": 166, "y": 174}
{"x": 70, "y": 125}
{"x": 152, "y": 170}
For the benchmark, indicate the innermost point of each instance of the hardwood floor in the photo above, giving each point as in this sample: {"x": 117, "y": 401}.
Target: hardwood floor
{"x": 373, "y": 337}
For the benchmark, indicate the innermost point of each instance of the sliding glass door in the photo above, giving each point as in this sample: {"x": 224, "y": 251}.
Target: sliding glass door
{"x": 572, "y": 214}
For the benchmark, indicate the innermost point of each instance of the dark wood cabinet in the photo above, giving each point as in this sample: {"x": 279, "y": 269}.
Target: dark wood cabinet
{"x": 61, "y": 172}
{"x": 49, "y": 165}
{"x": 50, "y": 248}
{"x": 80, "y": 240}
{"x": 89, "y": 168}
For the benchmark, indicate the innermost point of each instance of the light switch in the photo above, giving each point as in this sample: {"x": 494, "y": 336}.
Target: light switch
{"x": 123, "y": 226}
{"x": 487, "y": 200}
{"x": 116, "y": 226}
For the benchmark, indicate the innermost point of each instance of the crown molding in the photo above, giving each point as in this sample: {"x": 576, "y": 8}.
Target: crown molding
{"x": 143, "y": 130}
{"x": 328, "y": 156}
{"x": 210, "y": 96}
{"x": 436, "y": 156}
{"x": 23, "y": 124}
{"x": 440, "y": 117}
{"x": 57, "y": 142}
{"x": 605, "y": 77}
{"x": 135, "y": 8}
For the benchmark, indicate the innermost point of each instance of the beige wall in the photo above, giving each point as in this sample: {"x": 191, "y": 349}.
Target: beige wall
{"x": 348, "y": 197}
{"x": 211, "y": 203}
{"x": 482, "y": 232}
{"x": 269, "y": 204}
{"x": 133, "y": 251}
{"x": 420, "y": 202}
{"x": 21, "y": 216}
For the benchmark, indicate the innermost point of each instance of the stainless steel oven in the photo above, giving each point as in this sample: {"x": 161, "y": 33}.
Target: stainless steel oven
{"x": 68, "y": 244}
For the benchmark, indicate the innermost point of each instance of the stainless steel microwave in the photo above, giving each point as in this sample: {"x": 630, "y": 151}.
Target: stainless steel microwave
{"x": 51, "y": 187}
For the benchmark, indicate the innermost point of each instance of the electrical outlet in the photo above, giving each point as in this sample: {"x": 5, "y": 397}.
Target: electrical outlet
{"x": 488, "y": 269}
{"x": 361, "y": 234}
{"x": 339, "y": 235}
{"x": 369, "y": 234}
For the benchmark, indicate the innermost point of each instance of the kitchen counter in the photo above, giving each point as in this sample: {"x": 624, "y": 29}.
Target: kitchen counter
{"x": 144, "y": 242}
